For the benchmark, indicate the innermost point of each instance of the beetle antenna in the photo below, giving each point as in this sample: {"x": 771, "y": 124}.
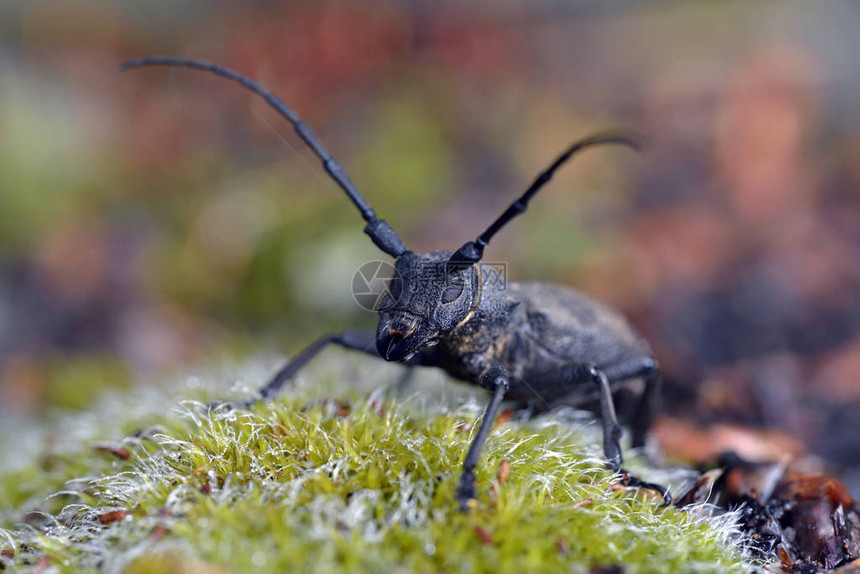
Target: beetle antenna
{"x": 473, "y": 251}
{"x": 382, "y": 234}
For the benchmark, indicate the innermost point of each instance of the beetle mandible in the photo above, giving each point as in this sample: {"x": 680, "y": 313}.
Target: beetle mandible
{"x": 535, "y": 344}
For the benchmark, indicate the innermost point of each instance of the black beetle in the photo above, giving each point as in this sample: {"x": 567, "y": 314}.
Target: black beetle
{"x": 535, "y": 344}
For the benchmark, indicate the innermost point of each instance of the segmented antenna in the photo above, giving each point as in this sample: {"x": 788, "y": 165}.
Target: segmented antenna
{"x": 382, "y": 234}
{"x": 473, "y": 251}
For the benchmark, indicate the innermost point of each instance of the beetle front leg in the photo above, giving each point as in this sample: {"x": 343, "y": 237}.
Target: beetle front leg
{"x": 355, "y": 340}
{"x": 364, "y": 341}
{"x": 496, "y": 380}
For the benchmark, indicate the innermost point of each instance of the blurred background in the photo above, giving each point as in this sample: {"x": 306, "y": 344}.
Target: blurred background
{"x": 161, "y": 219}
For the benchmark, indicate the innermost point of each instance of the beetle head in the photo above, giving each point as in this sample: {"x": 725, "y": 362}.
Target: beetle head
{"x": 428, "y": 297}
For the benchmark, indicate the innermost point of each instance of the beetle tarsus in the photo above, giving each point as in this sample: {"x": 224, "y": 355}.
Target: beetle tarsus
{"x": 466, "y": 490}
{"x": 632, "y": 481}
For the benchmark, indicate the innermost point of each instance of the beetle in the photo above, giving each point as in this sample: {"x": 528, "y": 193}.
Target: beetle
{"x": 535, "y": 344}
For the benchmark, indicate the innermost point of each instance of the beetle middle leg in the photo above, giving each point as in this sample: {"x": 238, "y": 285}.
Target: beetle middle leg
{"x": 639, "y": 367}
{"x": 575, "y": 374}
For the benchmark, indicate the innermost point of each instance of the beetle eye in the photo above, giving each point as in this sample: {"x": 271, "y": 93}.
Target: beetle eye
{"x": 452, "y": 292}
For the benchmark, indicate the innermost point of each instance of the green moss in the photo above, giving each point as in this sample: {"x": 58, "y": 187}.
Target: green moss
{"x": 287, "y": 488}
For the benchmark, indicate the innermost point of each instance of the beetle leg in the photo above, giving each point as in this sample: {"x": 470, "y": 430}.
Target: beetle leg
{"x": 640, "y": 367}
{"x": 611, "y": 435}
{"x": 572, "y": 376}
{"x": 580, "y": 373}
{"x": 364, "y": 341}
{"x": 628, "y": 479}
{"x": 495, "y": 379}
{"x": 611, "y": 429}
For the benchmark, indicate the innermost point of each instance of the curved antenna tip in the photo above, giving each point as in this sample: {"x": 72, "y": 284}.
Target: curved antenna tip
{"x": 134, "y": 63}
{"x": 633, "y": 140}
